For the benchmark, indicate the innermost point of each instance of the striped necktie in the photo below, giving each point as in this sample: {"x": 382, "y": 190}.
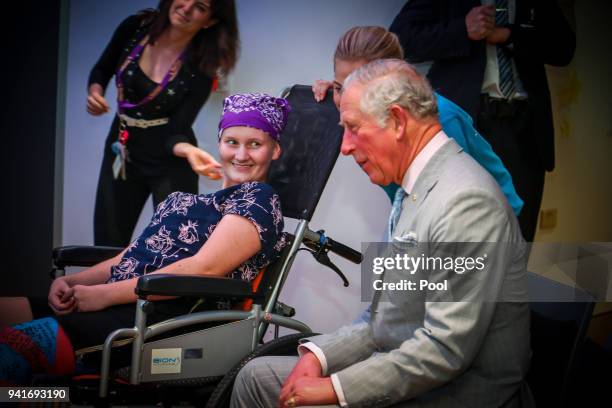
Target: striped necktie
{"x": 506, "y": 74}
{"x": 396, "y": 210}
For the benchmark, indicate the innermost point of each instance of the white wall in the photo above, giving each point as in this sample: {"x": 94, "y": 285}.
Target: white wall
{"x": 283, "y": 42}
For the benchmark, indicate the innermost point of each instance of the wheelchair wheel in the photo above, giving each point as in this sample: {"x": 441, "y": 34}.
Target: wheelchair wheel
{"x": 283, "y": 346}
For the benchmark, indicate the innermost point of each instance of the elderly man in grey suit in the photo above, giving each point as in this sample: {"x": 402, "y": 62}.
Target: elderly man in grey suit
{"x": 417, "y": 349}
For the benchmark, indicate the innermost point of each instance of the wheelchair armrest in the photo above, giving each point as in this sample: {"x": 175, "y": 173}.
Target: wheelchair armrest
{"x": 192, "y": 285}
{"x": 76, "y": 255}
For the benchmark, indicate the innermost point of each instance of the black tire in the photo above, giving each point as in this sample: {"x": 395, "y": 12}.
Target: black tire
{"x": 283, "y": 346}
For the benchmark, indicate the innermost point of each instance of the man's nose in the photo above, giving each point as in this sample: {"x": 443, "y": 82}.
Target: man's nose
{"x": 347, "y": 146}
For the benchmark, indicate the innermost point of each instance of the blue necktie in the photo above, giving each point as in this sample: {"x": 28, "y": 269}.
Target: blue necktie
{"x": 395, "y": 211}
{"x": 506, "y": 74}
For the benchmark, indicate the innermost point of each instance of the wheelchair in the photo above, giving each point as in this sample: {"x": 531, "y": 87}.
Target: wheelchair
{"x": 168, "y": 359}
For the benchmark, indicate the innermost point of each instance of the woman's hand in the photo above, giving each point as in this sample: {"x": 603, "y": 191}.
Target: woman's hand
{"x": 200, "y": 161}
{"x": 91, "y": 298}
{"x": 60, "y": 297}
{"x": 319, "y": 89}
{"x": 96, "y": 104}
{"x": 204, "y": 164}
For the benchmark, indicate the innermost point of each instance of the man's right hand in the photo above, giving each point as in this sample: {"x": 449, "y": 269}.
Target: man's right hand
{"x": 480, "y": 22}
{"x": 61, "y": 298}
{"x": 307, "y": 366}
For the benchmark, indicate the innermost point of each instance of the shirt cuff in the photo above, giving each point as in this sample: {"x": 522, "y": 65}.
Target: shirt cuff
{"x": 317, "y": 352}
{"x": 338, "y": 389}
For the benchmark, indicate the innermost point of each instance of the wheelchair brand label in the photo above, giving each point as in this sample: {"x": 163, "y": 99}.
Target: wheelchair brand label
{"x": 166, "y": 361}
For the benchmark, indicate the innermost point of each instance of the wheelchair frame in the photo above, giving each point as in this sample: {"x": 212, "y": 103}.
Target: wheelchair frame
{"x": 250, "y": 325}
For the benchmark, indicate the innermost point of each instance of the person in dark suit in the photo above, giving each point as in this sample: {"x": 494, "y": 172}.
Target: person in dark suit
{"x": 489, "y": 59}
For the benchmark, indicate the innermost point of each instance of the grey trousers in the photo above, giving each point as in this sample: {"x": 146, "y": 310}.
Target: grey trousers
{"x": 259, "y": 382}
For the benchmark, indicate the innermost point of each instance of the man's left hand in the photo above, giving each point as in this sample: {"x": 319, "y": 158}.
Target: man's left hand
{"x": 307, "y": 366}
{"x": 306, "y": 391}
{"x": 498, "y": 35}
{"x": 90, "y": 298}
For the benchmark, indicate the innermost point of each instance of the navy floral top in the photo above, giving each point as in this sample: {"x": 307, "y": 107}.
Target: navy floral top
{"x": 183, "y": 222}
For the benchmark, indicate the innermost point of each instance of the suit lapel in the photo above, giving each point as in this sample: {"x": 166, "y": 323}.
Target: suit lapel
{"x": 424, "y": 184}
{"x": 430, "y": 175}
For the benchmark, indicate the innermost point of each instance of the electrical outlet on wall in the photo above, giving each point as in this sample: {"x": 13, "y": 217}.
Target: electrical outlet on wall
{"x": 548, "y": 218}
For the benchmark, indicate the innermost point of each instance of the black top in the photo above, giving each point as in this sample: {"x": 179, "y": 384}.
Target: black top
{"x": 435, "y": 30}
{"x": 181, "y": 100}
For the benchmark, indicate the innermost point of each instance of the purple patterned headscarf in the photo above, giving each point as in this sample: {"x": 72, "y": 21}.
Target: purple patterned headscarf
{"x": 256, "y": 110}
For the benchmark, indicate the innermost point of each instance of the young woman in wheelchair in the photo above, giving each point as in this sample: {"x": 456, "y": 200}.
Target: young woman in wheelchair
{"x": 234, "y": 232}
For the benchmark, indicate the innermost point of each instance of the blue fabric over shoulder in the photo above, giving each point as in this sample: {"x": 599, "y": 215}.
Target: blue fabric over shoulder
{"x": 457, "y": 124}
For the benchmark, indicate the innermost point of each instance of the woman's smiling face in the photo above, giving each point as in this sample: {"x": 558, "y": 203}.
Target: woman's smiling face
{"x": 246, "y": 154}
{"x": 191, "y": 15}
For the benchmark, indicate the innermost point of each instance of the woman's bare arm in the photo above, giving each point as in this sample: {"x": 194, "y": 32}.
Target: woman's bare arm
{"x": 232, "y": 242}
{"x": 99, "y": 273}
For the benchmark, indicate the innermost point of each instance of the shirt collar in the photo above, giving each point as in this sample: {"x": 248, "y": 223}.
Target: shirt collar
{"x": 419, "y": 162}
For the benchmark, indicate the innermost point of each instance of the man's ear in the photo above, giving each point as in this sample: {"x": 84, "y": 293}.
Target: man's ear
{"x": 398, "y": 120}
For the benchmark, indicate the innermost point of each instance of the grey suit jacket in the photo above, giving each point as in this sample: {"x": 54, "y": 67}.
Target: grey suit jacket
{"x": 470, "y": 352}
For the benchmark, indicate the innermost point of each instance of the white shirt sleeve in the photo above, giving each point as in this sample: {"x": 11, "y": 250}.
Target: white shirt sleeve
{"x": 338, "y": 389}
{"x": 317, "y": 352}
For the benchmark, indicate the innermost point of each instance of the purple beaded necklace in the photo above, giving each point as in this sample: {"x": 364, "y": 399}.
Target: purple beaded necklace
{"x": 122, "y": 103}
{"x": 119, "y": 147}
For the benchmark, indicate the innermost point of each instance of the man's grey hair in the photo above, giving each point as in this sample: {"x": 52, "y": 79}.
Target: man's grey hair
{"x": 393, "y": 81}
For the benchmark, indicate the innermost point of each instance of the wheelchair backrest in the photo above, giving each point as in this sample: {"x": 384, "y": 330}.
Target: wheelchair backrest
{"x": 310, "y": 146}
{"x": 262, "y": 285}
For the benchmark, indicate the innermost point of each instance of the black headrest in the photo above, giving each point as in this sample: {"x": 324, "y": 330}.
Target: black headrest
{"x": 310, "y": 146}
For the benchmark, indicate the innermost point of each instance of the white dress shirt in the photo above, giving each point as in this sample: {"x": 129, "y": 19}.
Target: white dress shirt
{"x": 490, "y": 81}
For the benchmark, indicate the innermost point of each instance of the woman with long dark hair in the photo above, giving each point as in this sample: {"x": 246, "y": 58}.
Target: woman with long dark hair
{"x": 164, "y": 62}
